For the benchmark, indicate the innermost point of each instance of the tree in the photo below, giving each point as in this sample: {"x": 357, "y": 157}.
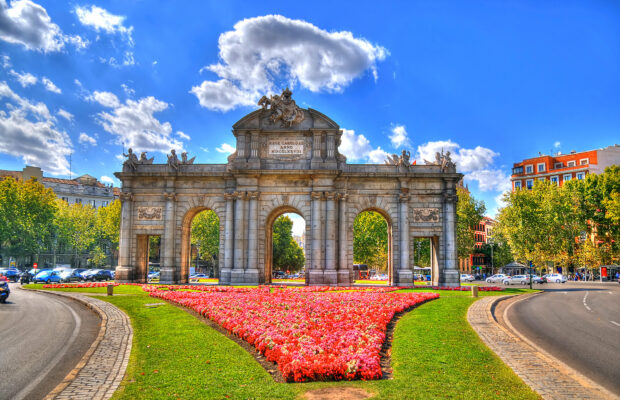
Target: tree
{"x": 370, "y": 240}
{"x": 26, "y": 216}
{"x": 206, "y": 235}
{"x": 469, "y": 212}
{"x": 287, "y": 255}
{"x": 108, "y": 225}
{"x": 75, "y": 225}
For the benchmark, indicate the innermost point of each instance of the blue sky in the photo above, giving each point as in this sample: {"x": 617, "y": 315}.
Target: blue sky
{"x": 493, "y": 82}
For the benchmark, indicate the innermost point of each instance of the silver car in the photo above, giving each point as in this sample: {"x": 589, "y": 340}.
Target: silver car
{"x": 497, "y": 278}
{"x": 517, "y": 280}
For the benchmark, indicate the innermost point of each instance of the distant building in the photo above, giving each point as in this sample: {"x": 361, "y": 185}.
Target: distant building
{"x": 301, "y": 240}
{"x": 84, "y": 189}
{"x": 479, "y": 262}
{"x": 563, "y": 167}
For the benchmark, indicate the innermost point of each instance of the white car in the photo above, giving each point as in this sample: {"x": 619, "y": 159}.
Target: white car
{"x": 556, "y": 278}
{"x": 467, "y": 278}
{"x": 497, "y": 278}
{"x": 517, "y": 280}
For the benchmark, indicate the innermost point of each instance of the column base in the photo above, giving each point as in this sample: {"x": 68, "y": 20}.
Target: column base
{"x": 344, "y": 278}
{"x": 167, "y": 276}
{"x": 251, "y": 276}
{"x": 315, "y": 277}
{"x": 237, "y": 277}
{"x": 330, "y": 277}
{"x": 225, "y": 277}
{"x": 123, "y": 274}
{"x": 450, "y": 279}
{"x": 403, "y": 277}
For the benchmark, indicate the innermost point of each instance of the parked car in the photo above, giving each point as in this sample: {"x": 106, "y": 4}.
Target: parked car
{"x": 497, "y": 278}
{"x": 517, "y": 280}
{"x": 11, "y": 274}
{"x": 70, "y": 275}
{"x": 467, "y": 278}
{"x": 556, "y": 278}
{"x": 5, "y": 290}
{"x": 47, "y": 277}
{"x": 155, "y": 275}
{"x": 199, "y": 276}
{"x": 279, "y": 274}
{"x": 102, "y": 275}
{"x": 89, "y": 274}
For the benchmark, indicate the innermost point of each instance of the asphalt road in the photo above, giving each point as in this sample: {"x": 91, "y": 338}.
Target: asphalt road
{"x": 42, "y": 338}
{"x": 578, "y": 323}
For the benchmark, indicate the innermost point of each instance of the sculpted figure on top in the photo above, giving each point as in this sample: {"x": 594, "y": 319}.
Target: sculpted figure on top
{"x": 283, "y": 109}
{"x": 444, "y": 161}
{"x": 395, "y": 159}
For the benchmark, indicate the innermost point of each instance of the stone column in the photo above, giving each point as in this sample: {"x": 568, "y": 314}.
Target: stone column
{"x": 238, "y": 271}
{"x": 330, "y": 275}
{"x": 404, "y": 277}
{"x": 124, "y": 271}
{"x": 344, "y": 268}
{"x": 168, "y": 273}
{"x": 251, "y": 269}
{"x": 450, "y": 274}
{"x": 228, "y": 241}
{"x": 315, "y": 275}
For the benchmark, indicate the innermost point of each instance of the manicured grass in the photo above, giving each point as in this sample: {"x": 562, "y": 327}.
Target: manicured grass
{"x": 435, "y": 354}
{"x": 121, "y": 289}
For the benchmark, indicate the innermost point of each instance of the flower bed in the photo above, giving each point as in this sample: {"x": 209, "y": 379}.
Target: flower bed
{"x": 310, "y": 335}
{"x": 80, "y": 285}
{"x": 459, "y": 288}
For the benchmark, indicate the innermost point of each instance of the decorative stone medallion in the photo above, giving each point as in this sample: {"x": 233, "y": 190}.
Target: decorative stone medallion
{"x": 150, "y": 213}
{"x": 425, "y": 215}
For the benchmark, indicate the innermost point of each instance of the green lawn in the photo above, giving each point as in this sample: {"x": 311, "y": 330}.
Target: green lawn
{"x": 435, "y": 354}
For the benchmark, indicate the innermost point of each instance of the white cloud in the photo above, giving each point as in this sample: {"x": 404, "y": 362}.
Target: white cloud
{"x": 399, "y": 136}
{"x": 65, "y": 114}
{"x": 106, "y": 99}
{"x": 85, "y": 139}
{"x": 183, "y": 136}
{"x": 107, "y": 179}
{"x": 557, "y": 145}
{"x": 128, "y": 91}
{"x": 476, "y": 164}
{"x": 134, "y": 124}
{"x": 358, "y": 148}
{"x": 262, "y": 51}
{"x": 103, "y": 21}
{"x": 28, "y": 131}
{"x": 6, "y": 61}
{"x": 225, "y": 148}
{"x": 27, "y": 23}
{"x": 49, "y": 85}
{"x": 25, "y": 78}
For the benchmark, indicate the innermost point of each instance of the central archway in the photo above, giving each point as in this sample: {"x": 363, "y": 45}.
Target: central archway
{"x": 379, "y": 255}
{"x": 271, "y": 220}
{"x": 186, "y": 241}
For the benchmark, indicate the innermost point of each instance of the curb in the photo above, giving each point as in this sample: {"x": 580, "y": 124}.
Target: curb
{"x": 83, "y": 391}
{"x": 536, "y": 368}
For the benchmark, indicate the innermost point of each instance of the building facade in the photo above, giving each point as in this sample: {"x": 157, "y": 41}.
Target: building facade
{"x": 560, "y": 168}
{"x": 477, "y": 262}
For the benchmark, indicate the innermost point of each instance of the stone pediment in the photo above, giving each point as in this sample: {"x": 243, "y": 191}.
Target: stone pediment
{"x": 260, "y": 120}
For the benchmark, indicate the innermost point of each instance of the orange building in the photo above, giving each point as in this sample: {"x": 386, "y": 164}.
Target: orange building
{"x": 478, "y": 263}
{"x": 563, "y": 167}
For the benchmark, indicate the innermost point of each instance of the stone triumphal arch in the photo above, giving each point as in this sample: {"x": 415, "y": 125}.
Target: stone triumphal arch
{"x": 286, "y": 160}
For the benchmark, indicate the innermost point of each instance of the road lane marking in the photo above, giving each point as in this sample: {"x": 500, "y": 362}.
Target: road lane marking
{"x": 615, "y": 323}
{"x": 584, "y": 302}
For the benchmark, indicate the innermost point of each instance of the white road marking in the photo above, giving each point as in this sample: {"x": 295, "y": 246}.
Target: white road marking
{"x": 615, "y": 323}
{"x": 584, "y": 302}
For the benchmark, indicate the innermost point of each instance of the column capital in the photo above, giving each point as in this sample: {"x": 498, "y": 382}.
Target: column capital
{"x": 170, "y": 196}
{"x": 450, "y": 197}
{"x": 403, "y": 197}
{"x": 126, "y": 196}
{"x": 253, "y": 195}
{"x": 229, "y": 196}
{"x": 331, "y": 195}
{"x": 316, "y": 195}
{"x": 342, "y": 196}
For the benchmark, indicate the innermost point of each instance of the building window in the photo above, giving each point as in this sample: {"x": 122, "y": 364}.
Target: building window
{"x": 517, "y": 170}
{"x": 581, "y": 175}
{"x": 570, "y": 164}
{"x": 555, "y": 179}
{"x": 541, "y": 179}
{"x": 529, "y": 183}
{"x": 558, "y": 165}
{"x": 541, "y": 167}
{"x": 585, "y": 161}
{"x": 104, "y": 203}
{"x": 65, "y": 199}
{"x": 91, "y": 203}
{"x": 78, "y": 201}
{"x": 567, "y": 177}
{"x": 529, "y": 169}
{"x": 517, "y": 184}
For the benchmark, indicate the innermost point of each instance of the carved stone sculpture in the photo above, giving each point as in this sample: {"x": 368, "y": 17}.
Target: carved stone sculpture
{"x": 283, "y": 109}
{"x": 144, "y": 160}
{"x": 184, "y": 159}
{"x": 402, "y": 160}
{"x": 426, "y": 215}
{"x": 173, "y": 160}
{"x": 132, "y": 160}
{"x": 444, "y": 161}
{"x": 150, "y": 213}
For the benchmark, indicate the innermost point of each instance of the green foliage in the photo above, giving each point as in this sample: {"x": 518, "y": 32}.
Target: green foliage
{"x": 75, "y": 226}
{"x": 469, "y": 212}
{"x": 287, "y": 255}
{"x": 26, "y": 215}
{"x": 370, "y": 240}
{"x": 422, "y": 252}
{"x": 108, "y": 224}
{"x": 206, "y": 234}
{"x": 541, "y": 224}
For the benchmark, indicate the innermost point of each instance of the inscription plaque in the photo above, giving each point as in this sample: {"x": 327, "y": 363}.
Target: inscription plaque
{"x": 277, "y": 147}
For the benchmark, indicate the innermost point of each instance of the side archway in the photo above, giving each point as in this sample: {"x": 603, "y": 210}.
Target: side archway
{"x": 186, "y": 242}
{"x": 269, "y": 222}
{"x": 389, "y": 256}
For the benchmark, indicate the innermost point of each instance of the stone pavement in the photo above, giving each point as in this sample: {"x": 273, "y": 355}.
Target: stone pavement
{"x": 99, "y": 373}
{"x": 548, "y": 376}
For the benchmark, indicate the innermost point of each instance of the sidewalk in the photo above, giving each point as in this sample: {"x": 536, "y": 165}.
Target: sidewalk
{"x": 99, "y": 373}
{"x": 548, "y": 376}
